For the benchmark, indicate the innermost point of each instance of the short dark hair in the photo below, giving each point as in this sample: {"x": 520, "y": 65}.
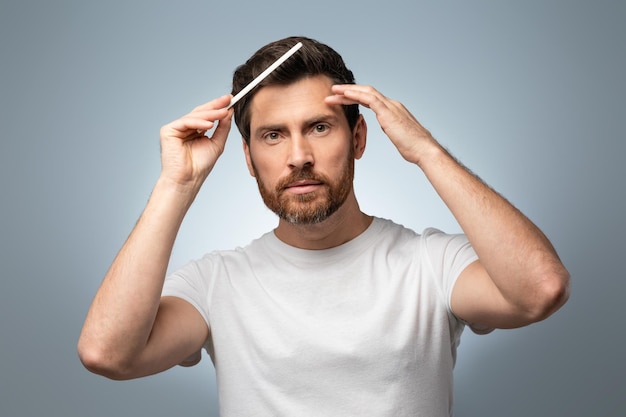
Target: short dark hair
{"x": 313, "y": 58}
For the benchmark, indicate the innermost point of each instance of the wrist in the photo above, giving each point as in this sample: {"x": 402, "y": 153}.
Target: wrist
{"x": 431, "y": 155}
{"x": 174, "y": 193}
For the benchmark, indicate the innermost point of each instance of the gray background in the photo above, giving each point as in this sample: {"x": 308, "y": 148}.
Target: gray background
{"x": 530, "y": 95}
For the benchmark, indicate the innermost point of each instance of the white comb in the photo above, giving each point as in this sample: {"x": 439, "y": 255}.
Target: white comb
{"x": 264, "y": 74}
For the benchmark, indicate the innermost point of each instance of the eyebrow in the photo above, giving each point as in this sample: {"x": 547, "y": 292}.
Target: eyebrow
{"x": 320, "y": 118}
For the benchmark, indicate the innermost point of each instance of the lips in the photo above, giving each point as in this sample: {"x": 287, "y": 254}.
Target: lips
{"x": 303, "y": 183}
{"x": 302, "y": 186}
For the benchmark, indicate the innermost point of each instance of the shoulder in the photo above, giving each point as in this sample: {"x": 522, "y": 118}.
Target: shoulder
{"x": 387, "y": 228}
{"x": 430, "y": 239}
{"x": 222, "y": 257}
{"x": 437, "y": 241}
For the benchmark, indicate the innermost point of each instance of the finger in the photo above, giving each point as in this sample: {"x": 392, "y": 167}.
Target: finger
{"x": 360, "y": 94}
{"x": 372, "y": 101}
{"x": 367, "y": 89}
{"x": 186, "y": 126}
{"x": 340, "y": 99}
{"x": 198, "y": 121}
{"x": 218, "y": 103}
{"x": 210, "y": 115}
{"x": 223, "y": 128}
{"x": 203, "y": 119}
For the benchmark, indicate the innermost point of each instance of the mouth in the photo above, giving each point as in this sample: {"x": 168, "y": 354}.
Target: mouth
{"x": 303, "y": 186}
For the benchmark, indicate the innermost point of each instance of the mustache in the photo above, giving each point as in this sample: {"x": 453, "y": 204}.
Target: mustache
{"x": 300, "y": 174}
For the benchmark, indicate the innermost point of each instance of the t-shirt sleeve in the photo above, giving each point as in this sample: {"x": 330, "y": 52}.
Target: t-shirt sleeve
{"x": 190, "y": 283}
{"x": 449, "y": 255}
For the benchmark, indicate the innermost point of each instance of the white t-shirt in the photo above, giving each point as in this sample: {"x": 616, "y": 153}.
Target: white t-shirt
{"x": 362, "y": 329}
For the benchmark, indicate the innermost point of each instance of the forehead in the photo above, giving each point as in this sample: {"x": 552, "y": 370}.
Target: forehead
{"x": 280, "y": 104}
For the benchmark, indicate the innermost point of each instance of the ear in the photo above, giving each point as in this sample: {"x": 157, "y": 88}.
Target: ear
{"x": 359, "y": 136}
{"x": 246, "y": 151}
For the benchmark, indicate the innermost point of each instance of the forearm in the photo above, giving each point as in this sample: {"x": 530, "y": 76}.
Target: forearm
{"x": 515, "y": 253}
{"x": 520, "y": 277}
{"x": 123, "y": 311}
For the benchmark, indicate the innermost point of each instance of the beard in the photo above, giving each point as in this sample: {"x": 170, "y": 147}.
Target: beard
{"x": 308, "y": 208}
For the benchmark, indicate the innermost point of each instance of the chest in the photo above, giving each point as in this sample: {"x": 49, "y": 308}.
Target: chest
{"x": 347, "y": 317}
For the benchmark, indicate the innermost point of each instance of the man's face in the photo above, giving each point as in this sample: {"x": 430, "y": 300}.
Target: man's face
{"x": 301, "y": 150}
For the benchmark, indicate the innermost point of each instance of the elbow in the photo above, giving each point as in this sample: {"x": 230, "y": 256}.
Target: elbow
{"x": 101, "y": 362}
{"x": 552, "y": 293}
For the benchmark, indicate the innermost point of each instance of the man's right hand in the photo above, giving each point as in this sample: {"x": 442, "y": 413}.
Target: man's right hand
{"x": 187, "y": 154}
{"x": 130, "y": 330}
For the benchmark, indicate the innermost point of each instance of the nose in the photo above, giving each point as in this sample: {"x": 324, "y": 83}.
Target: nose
{"x": 300, "y": 152}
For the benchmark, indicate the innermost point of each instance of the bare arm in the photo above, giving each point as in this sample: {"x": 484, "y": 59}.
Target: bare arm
{"x": 518, "y": 278}
{"x": 129, "y": 330}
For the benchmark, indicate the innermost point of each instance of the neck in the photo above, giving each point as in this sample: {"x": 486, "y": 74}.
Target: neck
{"x": 342, "y": 226}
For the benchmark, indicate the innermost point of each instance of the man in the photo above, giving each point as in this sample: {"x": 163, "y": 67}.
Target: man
{"x": 335, "y": 312}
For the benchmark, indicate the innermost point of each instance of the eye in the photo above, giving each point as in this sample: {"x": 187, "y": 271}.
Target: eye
{"x": 320, "y": 128}
{"x": 271, "y": 136}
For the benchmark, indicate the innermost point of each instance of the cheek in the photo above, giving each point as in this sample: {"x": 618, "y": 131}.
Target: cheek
{"x": 338, "y": 156}
{"x": 263, "y": 167}
{"x": 257, "y": 160}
